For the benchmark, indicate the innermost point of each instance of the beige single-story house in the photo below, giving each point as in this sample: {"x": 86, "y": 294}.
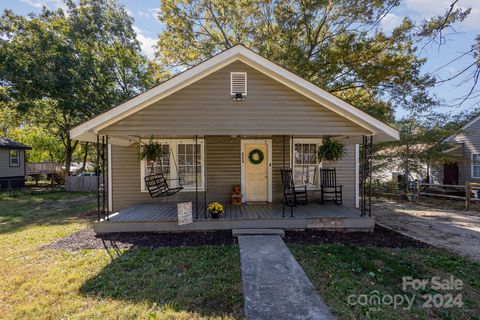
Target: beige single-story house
{"x": 12, "y": 163}
{"x": 210, "y": 120}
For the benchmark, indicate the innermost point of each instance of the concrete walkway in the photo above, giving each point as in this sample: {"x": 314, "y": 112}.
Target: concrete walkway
{"x": 274, "y": 284}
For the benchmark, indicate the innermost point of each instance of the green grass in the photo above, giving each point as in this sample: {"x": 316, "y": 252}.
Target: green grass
{"x": 189, "y": 283}
{"x": 339, "y": 271}
{"x": 167, "y": 283}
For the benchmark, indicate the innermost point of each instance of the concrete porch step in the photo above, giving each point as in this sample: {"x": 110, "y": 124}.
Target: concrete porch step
{"x": 258, "y": 232}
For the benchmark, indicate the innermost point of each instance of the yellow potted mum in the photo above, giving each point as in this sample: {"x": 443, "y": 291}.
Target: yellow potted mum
{"x": 215, "y": 209}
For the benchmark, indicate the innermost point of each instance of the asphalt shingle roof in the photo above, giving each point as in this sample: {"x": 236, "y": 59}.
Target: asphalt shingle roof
{"x": 11, "y": 144}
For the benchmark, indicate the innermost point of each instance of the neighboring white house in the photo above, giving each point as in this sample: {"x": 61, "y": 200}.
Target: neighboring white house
{"x": 389, "y": 165}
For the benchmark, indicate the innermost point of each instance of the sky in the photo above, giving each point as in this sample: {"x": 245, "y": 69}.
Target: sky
{"x": 148, "y": 27}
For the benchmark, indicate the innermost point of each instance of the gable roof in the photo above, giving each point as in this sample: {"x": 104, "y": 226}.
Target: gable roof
{"x": 465, "y": 126}
{"x": 89, "y": 129}
{"x": 12, "y": 144}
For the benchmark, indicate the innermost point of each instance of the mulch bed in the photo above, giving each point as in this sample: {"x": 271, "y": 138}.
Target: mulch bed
{"x": 86, "y": 239}
{"x": 380, "y": 237}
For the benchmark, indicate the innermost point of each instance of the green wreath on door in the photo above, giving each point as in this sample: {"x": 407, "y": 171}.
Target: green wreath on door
{"x": 256, "y": 156}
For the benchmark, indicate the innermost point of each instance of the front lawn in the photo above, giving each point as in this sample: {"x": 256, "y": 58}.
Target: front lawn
{"x": 157, "y": 282}
{"x": 164, "y": 283}
{"x": 342, "y": 271}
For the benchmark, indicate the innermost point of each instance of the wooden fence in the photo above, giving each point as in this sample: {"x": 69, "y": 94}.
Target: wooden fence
{"x": 41, "y": 168}
{"x": 81, "y": 183}
{"x": 422, "y": 189}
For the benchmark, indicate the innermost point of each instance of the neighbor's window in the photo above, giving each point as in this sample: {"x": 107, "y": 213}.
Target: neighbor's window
{"x": 14, "y": 158}
{"x": 476, "y": 165}
{"x": 178, "y": 161}
{"x": 305, "y": 162}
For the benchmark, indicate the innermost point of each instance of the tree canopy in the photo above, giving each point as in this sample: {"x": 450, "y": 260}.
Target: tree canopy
{"x": 62, "y": 68}
{"x": 337, "y": 45}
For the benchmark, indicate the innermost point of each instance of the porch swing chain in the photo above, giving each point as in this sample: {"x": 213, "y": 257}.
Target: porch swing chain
{"x": 174, "y": 162}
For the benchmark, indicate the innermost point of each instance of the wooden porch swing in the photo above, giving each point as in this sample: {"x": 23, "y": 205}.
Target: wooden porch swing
{"x": 157, "y": 184}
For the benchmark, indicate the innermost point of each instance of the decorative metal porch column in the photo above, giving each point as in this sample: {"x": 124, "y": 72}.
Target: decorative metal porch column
{"x": 101, "y": 172}
{"x": 97, "y": 175}
{"x": 366, "y": 176}
{"x": 205, "y": 177}
{"x": 196, "y": 176}
{"x": 284, "y": 200}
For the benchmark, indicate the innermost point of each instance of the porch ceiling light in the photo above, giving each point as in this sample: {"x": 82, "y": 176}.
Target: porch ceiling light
{"x": 238, "y": 97}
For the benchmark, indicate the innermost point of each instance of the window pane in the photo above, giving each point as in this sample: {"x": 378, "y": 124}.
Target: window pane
{"x": 189, "y": 159}
{"x": 297, "y": 175}
{"x": 305, "y": 163}
{"x": 476, "y": 158}
{"x": 181, "y": 149}
{"x": 186, "y": 164}
{"x": 476, "y": 171}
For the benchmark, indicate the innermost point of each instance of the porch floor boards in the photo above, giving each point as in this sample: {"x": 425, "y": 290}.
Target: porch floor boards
{"x": 167, "y": 212}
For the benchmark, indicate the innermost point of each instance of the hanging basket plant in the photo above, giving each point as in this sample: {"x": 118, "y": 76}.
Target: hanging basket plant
{"x": 151, "y": 152}
{"x": 331, "y": 150}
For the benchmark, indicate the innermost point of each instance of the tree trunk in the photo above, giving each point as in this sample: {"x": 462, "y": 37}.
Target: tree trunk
{"x": 68, "y": 159}
{"x": 53, "y": 171}
{"x": 407, "y": 169}
{"x": 85, "y": 156}
{"x": 70, "y": 147}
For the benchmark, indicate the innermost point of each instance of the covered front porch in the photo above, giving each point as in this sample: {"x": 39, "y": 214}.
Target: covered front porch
{"x": 162, "y": 217}
{"x": 215, "y": 140}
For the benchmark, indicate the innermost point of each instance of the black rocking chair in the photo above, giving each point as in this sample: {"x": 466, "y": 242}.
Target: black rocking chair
{"x": 158, "y": 186}
{"x": 292, "y": 195}
{"x": 328, "y": 179}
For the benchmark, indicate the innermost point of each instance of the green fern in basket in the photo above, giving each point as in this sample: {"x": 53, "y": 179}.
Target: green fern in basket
{"x": 151, "y": 151}
{"x": 331, "y": 150}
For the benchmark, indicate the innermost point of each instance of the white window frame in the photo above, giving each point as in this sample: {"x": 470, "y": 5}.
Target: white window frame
{"x": 318, "y": 142}
{"x": 10, "y": 158}
{"x": 231, "y": 82}
{"x": 473, "y": 165}
{"x": 173, "y": 145}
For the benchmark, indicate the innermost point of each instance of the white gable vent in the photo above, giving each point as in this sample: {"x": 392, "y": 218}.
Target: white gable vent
{"x": 238, "y": 85}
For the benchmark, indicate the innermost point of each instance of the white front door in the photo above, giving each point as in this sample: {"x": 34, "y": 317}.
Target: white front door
{"x": 256, "y": 163}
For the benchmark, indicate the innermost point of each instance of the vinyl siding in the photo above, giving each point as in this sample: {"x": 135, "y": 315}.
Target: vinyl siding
{"x": 206, "y": 108}
{"x": 470, "y": 138}
{"x": 223, "y": 170}
{"x": 223, "y": 166}
{"x": 6, "y": 170}
{"x": 345, "y": 169}
{"x": 277, "y": 164}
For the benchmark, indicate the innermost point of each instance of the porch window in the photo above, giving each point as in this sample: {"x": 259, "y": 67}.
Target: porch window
{"x": 476, "y": 165}
{"x": 14, "y": 157}
{"x": 178, "y": 161}
{"x": 305, "y": 162}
